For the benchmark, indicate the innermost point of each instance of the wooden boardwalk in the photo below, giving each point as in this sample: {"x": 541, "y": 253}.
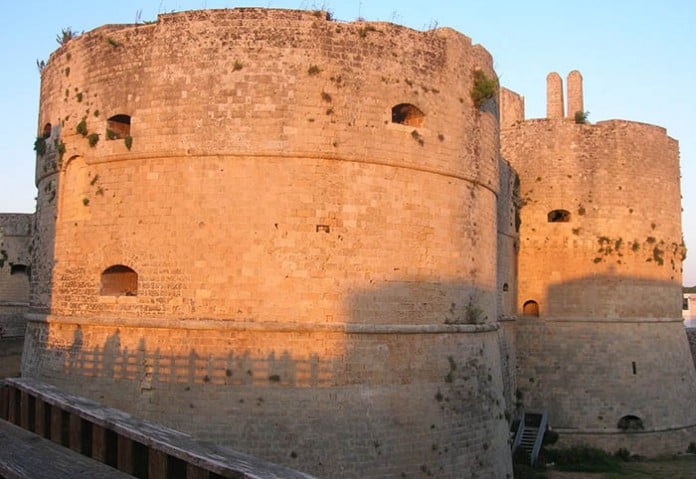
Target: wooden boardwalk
{"x": 25, "y": 455}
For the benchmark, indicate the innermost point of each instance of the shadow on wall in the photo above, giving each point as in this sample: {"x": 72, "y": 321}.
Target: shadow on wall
{"x": 611, "y": 295}
{"x": 368, "y": 387}
{"x": 117, "y": 362}
{"x": 390, "y": 317}
{"x": 49, "y": 159}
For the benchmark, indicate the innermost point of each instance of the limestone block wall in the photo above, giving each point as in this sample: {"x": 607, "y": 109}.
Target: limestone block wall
{"x": 284, "y": 239}
{"x": 601, "y": 344}
{"x": 508, "y": 247}
{"x": 15, "y": 266}
{"x": 619, "y": 250}
{"x": 511, "y": 107}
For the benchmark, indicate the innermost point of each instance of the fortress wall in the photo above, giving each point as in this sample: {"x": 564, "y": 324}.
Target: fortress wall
{"x": 507, "y": 247}
{"x": 511, "y": 107}
{"x": 620, "y": 253}
{"x": 575, "y": 94}
{"x": 554, "y": 96}
{"x": 609, "y": 341}
{"x": 15, "y": 241}
{"x": 279, "y": 140}
{"x": 583, "y": 374}
{"x": 273, "y": 210}
{"x": 371, "y": 413}
{"x": 245, "y": 241}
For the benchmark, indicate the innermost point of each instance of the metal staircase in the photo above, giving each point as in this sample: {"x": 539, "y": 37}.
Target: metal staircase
{"x": 530, "y": 434}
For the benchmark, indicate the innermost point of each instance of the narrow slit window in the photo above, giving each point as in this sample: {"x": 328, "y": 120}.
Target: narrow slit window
{"x": 559, "y": 216}
{"x": 117, "y": 127}
{"x": 407, "y": 114}
{"x": 119, "y": 280}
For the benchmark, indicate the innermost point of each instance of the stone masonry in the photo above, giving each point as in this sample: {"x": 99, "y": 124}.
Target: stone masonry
{"x": 278, "y": 239}
{"x": 303, "y": 239}
{"x": 600, "y": 341}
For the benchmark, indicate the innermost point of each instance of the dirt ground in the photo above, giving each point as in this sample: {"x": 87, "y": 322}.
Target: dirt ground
{"x": 682, "y": 467}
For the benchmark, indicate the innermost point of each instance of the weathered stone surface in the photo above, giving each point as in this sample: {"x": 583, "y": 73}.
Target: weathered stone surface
{"x": 316, "y": 276}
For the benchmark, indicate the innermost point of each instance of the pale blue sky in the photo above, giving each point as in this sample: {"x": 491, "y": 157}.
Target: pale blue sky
{"x": 637, "y": 57}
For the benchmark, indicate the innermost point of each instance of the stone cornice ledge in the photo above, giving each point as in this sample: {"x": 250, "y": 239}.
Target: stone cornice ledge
{"x": 225, "y": 325}
{"x": 581, "y": 319}
{"x": 571, "y": 431}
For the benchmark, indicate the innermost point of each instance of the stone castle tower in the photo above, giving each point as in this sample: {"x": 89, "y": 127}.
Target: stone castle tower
{"x": 277, "y": 232}
{"x": 300, "y": 238}
{"x": 600, "y": 342}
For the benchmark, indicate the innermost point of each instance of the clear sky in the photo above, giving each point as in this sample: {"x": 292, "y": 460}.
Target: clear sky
{"x": 637, "y": 58}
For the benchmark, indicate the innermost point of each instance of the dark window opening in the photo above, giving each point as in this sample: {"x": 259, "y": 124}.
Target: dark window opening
{"x": 559, "y": 216}
{"x": 633, "y": 366}
{"x": 19, "y": 269}
{"x": 685, "y": 304}
{"x": 505, "y": 288}
{"x": 531, "y": 308}
{"x": 47, "y": 130}
{"x": 630, "y": 423}
{"x": 407, "y": 114}
{"x": 117, "y": 127}
{"x": 119, "y": 280}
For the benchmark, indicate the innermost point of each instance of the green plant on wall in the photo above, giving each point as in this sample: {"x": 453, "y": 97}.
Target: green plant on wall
{"x": 474, "y": 314}
{"x": 40, "y": 145}
{"x": 60, "y": 148}
{"x": 484, "y": 88}
{"x": 81, "y": 127}
{"x": 93, "y": 139}
{"x": 581, "y": 117}
{"x": 128, "y": 141}
{"x": 65, "y": 35}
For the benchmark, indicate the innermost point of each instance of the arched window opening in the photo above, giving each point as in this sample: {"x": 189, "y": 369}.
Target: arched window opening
{"x": 531, "y": 308}
{"x": 47, "y": 130}
{"x": 119, "y": 280}
{"x": 505, "y": 287}
{"x": 19, "y": 269}
{"x": 630, "y": 423}
{"x": 407, "y": 114}
{"x": 559, "y": 216}
{"x": 117, "y": 127}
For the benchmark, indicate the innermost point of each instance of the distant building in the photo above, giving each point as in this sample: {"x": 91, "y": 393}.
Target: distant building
{"x": 689, "y": 310}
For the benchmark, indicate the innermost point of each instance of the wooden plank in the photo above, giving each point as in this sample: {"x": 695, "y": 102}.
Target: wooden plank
{"x": 149, "y": 436}
{"x": 195, "y": 472}
{"x": 4, "y": 400}
{"x": 24, "y": 409}
{"x": 56, "y": 424}
{"x": 12, "y": 405}
{"x": 25, "y": 455}
{"x": 40, "y": 418}
{"x": 157, "y": 465}
{"x": 75, "y": 433}
{"x": 124, "y": 461}
{"x": 99, "y": 444}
